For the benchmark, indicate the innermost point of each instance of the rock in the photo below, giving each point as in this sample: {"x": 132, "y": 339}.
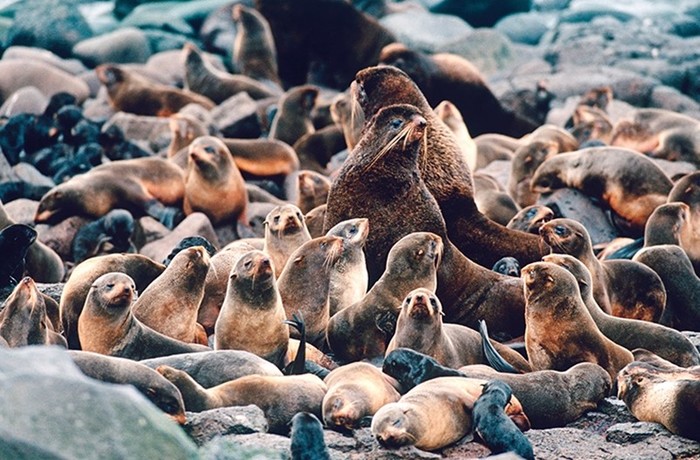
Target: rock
{"x": 674, "y": 169}
{"x": 28, "y": 173}
{"x": 99, "y": 16}
{"x": 59, "y": 237}
{"x": 46, "y": 401}
{"x": 152, "y": 229}
{"x": 633, "y": 432}
{"x": 227, "y": 448}
{"x": 481, "y": 13}
{"x": 176, "y": 17}
{"x": 22, "y": 210}
{"x": 218, "y": 32}
{"x": 436, "y": 31}
{"x": 125, "y": 45}
{"x": 527, "y": 28}
{"x": 170, "y": 64}
{"x": 268, "y": 442}
{"x": 339, "y": 442}
{"x": 202, "y": 427}
{"x": 54, "y": 25}
{"x": 194, "y": 224}
{"x": 694, "y": 337}
{"x": 237, "y": 117}
{"x": 616, "y": 409}
{"x": 159, "y": 40}
{"x": 489, "y": 50}
{"x": 27, "y": 99}
{"x": 18, "y": 73}
{"x": 664, "y": 97}
{"x": 154, "y": 130}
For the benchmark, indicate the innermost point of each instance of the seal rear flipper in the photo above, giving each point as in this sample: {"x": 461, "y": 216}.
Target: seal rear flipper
{"x": 298, "y": 366}
{"x": 628, "y": 251}
{"x": 494, "y": 359}
{"x": 315, "y": 369}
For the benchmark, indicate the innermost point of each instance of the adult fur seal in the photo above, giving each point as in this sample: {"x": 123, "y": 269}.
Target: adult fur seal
{"x": 107, "y": 326}
{"x": 554, "y": 304}
{"x": 254, "y": 53}
{"x": 293, "y": 118}
{"x": 687, "y": 190}
{"x": 443, "y": 169}
{"x": 285, "y": 232}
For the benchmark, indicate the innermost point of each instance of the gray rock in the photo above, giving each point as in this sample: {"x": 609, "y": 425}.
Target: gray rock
{"x": 59, "y": 237}
{"x": 489, "y": 50}
{"x": 527, "y": 28}
{"x": 22, "y": 211}
{"x": 172, "y": 17}
{"x": 229, "y": 449}
{"x": 154, "y": 130}
{"x": 87, "y": 419}
{"x": 99, "y": 16}
{"x": 159, "y": 40}
{"x": 674, "y": 169}
{"x": 269, "y": 442}
{"x": 694, "y": 337}
{"x": 125, "y": 45}
{"x": 237, "y": 117}
{"x": 436, "y": 31}
{"x": 28, "y": 173}
{"x": 195, "y": 224}
{"x": 27, "y": 99}
{"x": 616, "y": 409}
{"x": 45, "y": 77}
{"x": 202, "y": 427}
{"x": 54, "y": 25}
{"x": 339, "y": 442}
{"x": 634, "y": 432}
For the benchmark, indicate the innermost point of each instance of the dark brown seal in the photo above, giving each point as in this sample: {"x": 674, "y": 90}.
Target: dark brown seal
{"x": 254, "y": 53}
{"x": 293, "y": 119}
{"x": 687, "y": 190}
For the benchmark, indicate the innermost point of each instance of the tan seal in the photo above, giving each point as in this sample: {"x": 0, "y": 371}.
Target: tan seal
{"x": 285, "y": 232}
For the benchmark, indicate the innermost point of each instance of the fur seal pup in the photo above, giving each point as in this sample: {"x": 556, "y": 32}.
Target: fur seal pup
{"x": 508, "y": 266}
{"x": 654, "y": 393}
{"x": 531, "y": 218}
{"x": 150, "y": 383}
{"x": 444, "y": 171}
{"x": 280, "y": 398}
{"x": 285, "y": 232}
{"x": 446, "y": 76}
{"x": 312, "y": 190}
{"x": 435, "y": 414}
{"x": 107, "y": 326}
{"x": 452, "y": 117}
{"x": 420, "y": 327}
{"x": 345, "y": 115}
{"x": 111, "y": 233}
{"x": 293, "y": 118}
{"x": 491, "y": 200}
{"x": 317, "y": 149}
{"x": 169, "y": 304}
{"x": 254, "y": 53}
{"x": 15, "y": 241}
{"x": 363, "y": 330}
{"x": 494, "y": 427}
{"x": 382, "y": 173}
{"x": 142, "y": 186}
{"x": 554, "y": 303}
{"x": 133, "y": 93}
{"x": 213, "y": 183}
{"x": 349, "y": 275}
{"x": 204, "y": 79}
{"x": 356, "y": 391}
{"x": 666, "y": 342}
{"x": 24, "y": 319}
{"x": 630, "y": 183}
{"x": 411, "y": 368}
{"x": 252, "y": 315}
{"x": 306, "y": 438}
{"x": 687, "y": 190}
{"x": 313, "y": 260}
{"x": 671, "y": 263}
{"x": 621, "y": 287}
{"x": 315, "y": 220}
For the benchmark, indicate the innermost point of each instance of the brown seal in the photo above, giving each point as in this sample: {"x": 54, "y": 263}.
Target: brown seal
{"x": 492, "y": 201}
{"x": 355, "y": 391}
{"x": 670, "y": 223}
{"x": 170, "y": 303}
{"x": 655, "y": 391}
{"x": 141, "y": 186}
{"x": 452, "y": 117}
{"x": 420, "y": 327}
{"x": 349, "y": 276}
{"x": 435, "y": 414}
{"x": 630, "y": 333}
{"x": 591, "y": 124}
{"x": 313, "y": 260}
{"x": 254, "y": 53}
{"x": 344, "y": 113}
{"x": 382, "y": 173}
{"x": 285, "y": 232}
{"x": 280, "y": 398}
{"x": 444, "y": 171}
{"x": 133, "y": 93}
{"x": 559, "y": 330}
{"x": 312, "y": 190}
{"x": 687, "y": 190}
{"x": 315, "y": 219}
{"x": 141, "y": 268}
{"x": 24, "y": 319}
{"x": 629, "y": 182}
{"x": 623, "y": 288}
{"x": 316, "y": 149}
{"x": 446, "y": 76}
{"x": 293, "y": 118}
{"x": 213, "y": 183}
{"x": 495, "y": 147}
{"x": 531, "y": 218}
{"x": 679, "y": 144}
{"x": 107, "y": 326}
{"x": 263, "y": 157}
{"x": 672, "y": 264}
{"x": 252, "y": 316}
{"x": 203, "y": 78}
{"x": 644, "y": 129}
{"x": 363, "y": 330}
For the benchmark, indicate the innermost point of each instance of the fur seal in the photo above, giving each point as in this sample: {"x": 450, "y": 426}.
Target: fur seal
{"x": 317, "y": 149}
{"x": 107, "y": 326}
{"x": 315, "y": 220}
{"x": 435, "y": 414}
{"x": 133, "y": 93}
{"x": 442, "y": 168}
{"x": 349, "y": 275}
{"x": 141, "y": 268}
{"x": 630, "y": 333}
{"x": 621, "y": 287}
{"x": 280, "y": 398}
{"x": 306, "y": 438}
{"x": 687, "y": 190}
{"x": 263, "y": 158}
{"x": 293, "y": 118}
{"x": 213, "y": 183}
{"x": 452, "y": 117}
{"x": 345, "y": 115}
{"x": 363, "y": 330}
{"x": 492, "y": 425}
{"x": 252, "y": 315}
{"x": 111, "y": 233}
{"x": 630, "y": 183}
{"x": 254, "y": 53}
{"x": 508, "y": 266}
{"x": 531, "y": 218}
{"x": 419, "y": 326}
{"x": 142, "y": 186}
{"x": 170, "y": 303}
{"x": 285, "y": 232}
{"x": 355, "y": 391}
{"x": 151, "y": 384}
{"x": 554, "y": 303}
{"x": 312, "y": 190}
{"x": 15, "y": 240}
{"x": 446, "y": 76}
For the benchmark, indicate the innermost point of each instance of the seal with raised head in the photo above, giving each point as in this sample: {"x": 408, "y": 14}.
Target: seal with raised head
{"x": 452, "y": 117}
{"x": 107, "y": 326}
{"x": 531, "y": 218}
{"x": 315, "y": 219}
{"x": 312, "y": 190}
{"x": 111, "y": 233}
{"x": 254, "y": 53}
{"x": 554, "y": 304}
{"x": 687, "y": 190}
{"x": 293, "y": 118}
{"x": 285, "y": 232}
{"x": 15, "y": 241}
{"x": 349, "y": 276}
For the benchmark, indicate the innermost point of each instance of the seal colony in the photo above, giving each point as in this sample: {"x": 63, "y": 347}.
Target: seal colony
{"x": 378, "y": 255}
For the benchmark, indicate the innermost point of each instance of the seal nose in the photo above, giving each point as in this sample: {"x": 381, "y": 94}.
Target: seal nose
{"x": 419, "y": 121}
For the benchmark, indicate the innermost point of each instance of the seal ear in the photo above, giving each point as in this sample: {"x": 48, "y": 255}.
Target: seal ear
{"x": 298, "y": 260}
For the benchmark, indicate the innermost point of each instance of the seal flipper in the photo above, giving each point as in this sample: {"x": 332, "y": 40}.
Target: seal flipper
{"x": 168, "y": 216}
{"x": 298, "y": 366}
{"x": 494, "y": 359}
{"x": 628, "y": 251}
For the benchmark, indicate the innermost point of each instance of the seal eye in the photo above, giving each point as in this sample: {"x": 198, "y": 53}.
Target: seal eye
{"x": 396, "y": 123}
{"x": 276, "y": 219}
{"x": 248, "y": 263}
{"x": 531, "y": 213}
{"x": 209, "y": 149}
{"x": 110, "y": 286}
{"x": 324, "y": 245}
{"x": 352, "y": 230}
{"x": 560, "y": 230}
{"x": 420, "y": 253}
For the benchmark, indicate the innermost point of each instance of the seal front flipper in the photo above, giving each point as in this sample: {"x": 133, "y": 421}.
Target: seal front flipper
{"x": 494, "y": 359}
{"x": 166, "y": 215}
{"x": 298, "y": 366}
